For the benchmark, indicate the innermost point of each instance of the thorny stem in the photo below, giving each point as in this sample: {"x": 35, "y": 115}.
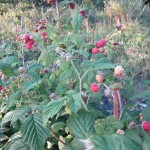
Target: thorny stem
{"x": 56, "y": 137}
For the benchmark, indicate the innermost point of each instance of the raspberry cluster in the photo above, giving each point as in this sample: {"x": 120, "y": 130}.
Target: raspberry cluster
{"x": 40, "y": 25}
{"x": 99, "y": 46}
{"x": 26, "y": 39}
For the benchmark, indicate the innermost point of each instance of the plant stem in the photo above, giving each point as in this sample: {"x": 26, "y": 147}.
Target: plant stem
{"x": 22, "y": 50}
{"x": 80, "y": 82}
{"x": 56, "y": 137}
{"x": 59, "y": 19}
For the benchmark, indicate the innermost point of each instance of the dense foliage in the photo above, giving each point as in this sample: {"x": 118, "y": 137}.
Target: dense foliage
{"x": 74, "y": 75}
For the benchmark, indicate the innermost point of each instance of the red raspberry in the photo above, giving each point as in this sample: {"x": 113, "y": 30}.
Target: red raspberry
{"x": 146, "y": 126}
{"x": 30, "y": 42}
{"x": 72, "y": 6}
{"x": 19, "y": 37}
{"x": 94, "y": 87}
{"x": 99, "y": 78}
{"x": 28, "y": 46}
{"x": 43, "y": 34}
{"x": 101, "y": 43}
{"x": 46, "y": 71}
{"x": 46, "y": 40}
{"x": 95, "y": 50}
{"x": 82, "y": 13}
{"x": 1, "y": 87}
{"x": 36, "y": 30}
{"x": 115, "y": 48}
{"x": 26, "y": 37}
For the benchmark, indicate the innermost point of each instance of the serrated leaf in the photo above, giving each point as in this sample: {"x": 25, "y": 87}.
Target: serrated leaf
{"x": 31, "y": 85}
{"x": 75, "y": 103}
{"x": 7, "y": 117}
{"x": 82, "y": 124}
{"x": 47, "y": 57}
{"x": 77, "y": 21}
{"x": 12, "y": 60}
{"x": 35, "y": 66}
{"x": 84, "y": 53}
{"x": 133, "y": 136}
{"x": 34, "y": 133}
{"x": 12, "y": 98}
{"x": 19, "y": 113}
{"x": 52, "y": 108}
{"x": 18, "y": 145}
{"x": 114, "y": 142}
{"x": 7, "y": 69}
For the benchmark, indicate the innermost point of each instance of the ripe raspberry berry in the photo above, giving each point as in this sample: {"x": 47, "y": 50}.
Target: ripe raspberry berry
{"x": 99, "y": 78}
{"x": 115, "y": 48}
{"x": 46, "y": 40}
{"x": 82, "y": 13}
{"x": 72, "y": 6}
{"x": 118, "y": 71}
{"x": 26, "y": 37}
{"x": 43, "y": 34}
{"x": 94, "y": 87}
{"x": 19, "y": 37}
{"x": 95, "y": 50}
{"x": 146, "y": 126}
{"x": 30, "y": 42}
{"x": 101, "y": 43}
{"x": 28, "y": 46}
{"x": 1, "y": 87}
{"x": 46, "y": 71}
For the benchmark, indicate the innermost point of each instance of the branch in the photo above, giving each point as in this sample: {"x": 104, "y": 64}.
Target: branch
{"x": 56, "y": 137}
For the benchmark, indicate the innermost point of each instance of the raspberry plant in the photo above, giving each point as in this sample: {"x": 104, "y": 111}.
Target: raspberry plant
{"x": 65, "y": 86}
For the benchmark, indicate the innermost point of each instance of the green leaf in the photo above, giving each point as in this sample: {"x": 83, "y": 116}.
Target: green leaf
{"x": 34, "y": 133}
{"x": 7, "y": 69}
{"x": 57, "y": 126}
{"x": 146, "y": 114}
{"x": 47, "y": 57}
{"x": 31, "y": 85}
{"x": 114, "y": 142}
{"x": 18, "y": 145}
{"x": 20, "y": 112}
{"x": 146, "y": 144}
{"x": 84, "y": 53}
{"x": 12, "y": 60}
{"x": 82, "y": 124}
{"x": 145, "y": 94}
{"x": 77, "y": 21}
{"x": 34, "y": 66}
{"x": 107, "y": 125}
{"x": 7, "y": 117}
{"x": 52, "y": 108}
{"x": 133, "y": 136}
{"x": 12, "y": 98}
{"x": 75, "y": 103}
